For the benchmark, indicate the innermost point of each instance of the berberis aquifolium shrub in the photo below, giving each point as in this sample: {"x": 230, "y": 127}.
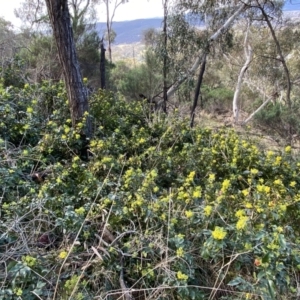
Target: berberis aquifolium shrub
{"x": 156, "y": 211}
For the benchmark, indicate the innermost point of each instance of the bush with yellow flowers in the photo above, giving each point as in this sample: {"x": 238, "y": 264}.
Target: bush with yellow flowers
{"x": 152, "y": 207}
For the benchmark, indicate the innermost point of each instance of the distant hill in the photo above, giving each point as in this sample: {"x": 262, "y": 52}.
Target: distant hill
{"x": 130, "y": 32}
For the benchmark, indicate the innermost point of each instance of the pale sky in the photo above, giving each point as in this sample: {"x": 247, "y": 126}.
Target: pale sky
{"x": 134, "y": 9}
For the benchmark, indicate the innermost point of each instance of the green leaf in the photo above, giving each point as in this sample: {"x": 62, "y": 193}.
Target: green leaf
{"x": 266, "y": 258}
{"x": 236, "y": 281}
{"x": 260, "y": 275}
{"x": 282, "y": 241}
{"x": 271, "y": 288}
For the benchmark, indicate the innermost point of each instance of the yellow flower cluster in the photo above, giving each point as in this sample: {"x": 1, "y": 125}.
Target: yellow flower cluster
{"x": 225, "y": 185}
{"x": 63, "y": 254}
{"x": 29, "y": 260}
{"x": 254, "y": 171}
{"x": 242, "y": 222}
{"x": 288, "y": 149}
{"x": 80, "y": 210}
{"x": 211, "y": 178}
{"x": 219, "y": 233}
{"x": 190, "y": 178}
{"x": 189, "y": 214}
{"x": 179, "y": 252}
{"x": 208, "y": 210}
{"x": 182, "y": 276}
{"x": 263, "y": 189}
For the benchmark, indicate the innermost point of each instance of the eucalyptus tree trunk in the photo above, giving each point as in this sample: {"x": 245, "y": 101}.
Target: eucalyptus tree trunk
{"x": 108, "y": 26}
{"x": 109, "y": 20}
{"x": 165, "y": 58}
{"x": 61, "y": 24}
{"x": 248, "y": 54}
{"x": 102, "y": 65}
{"x": 198, "y": 87}
{"x": 283, "y": 62}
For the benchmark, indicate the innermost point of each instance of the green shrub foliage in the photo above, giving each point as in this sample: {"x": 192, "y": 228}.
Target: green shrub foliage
{"x": 152, "y": 208}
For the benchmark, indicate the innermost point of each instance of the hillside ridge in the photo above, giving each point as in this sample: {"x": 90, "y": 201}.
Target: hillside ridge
{"x": 131, "y": 32}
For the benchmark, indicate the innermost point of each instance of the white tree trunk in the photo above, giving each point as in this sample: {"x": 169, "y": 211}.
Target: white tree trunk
{"x": 248, "y": 55}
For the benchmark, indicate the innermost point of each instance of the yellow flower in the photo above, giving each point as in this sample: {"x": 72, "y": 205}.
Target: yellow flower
{"x": 197, "y": 192}
{"x": 282, "y": 207}
{"x": 260, "y": 188}
{"x": 211, "y": 178}
{"x": 155, "y": 189}
{"x": 254, "y": 171}
{"x": 278, "y": 160}
{"x": 225, "y": 185}
{"x": 63, "y": 254}
{"x": 240, "y": 213}
{"x": 279, "y": 229}
{"x": 263, "y": 189}
{"x": 29, "y": 260}
{"x": 76, "y": 158}
{"x": 293, "y": 183}
{"x": 29, "y": 110}
{"x": 190, "y": 177}
{"x": 180, "y": 236}
{"x": 182, "y": 276}
{"x": 153, "y": 173}
{"x": 259, "y": 209}
{"x": 288, "y": 149}
{"x": 67, "y": 129}
{"x": 25, "y": 152}
{"x": 80, "y": 210}
{"x": 245, "y": 192}
{"x": 18, "y": 292}
{"x": 180, "y": 252}
{"x": 248, "y": 205}
{"x": 79, "y": 125}
{"x": 208, "y": 210}
{"x": 241, "y": 223}
{"x": 189, "y": 213}
{"x": 219, "y": 233}
{"x": 278, "y": 182}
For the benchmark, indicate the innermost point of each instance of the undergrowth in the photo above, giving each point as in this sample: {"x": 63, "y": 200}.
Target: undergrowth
{"x": 148, "y": 208}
